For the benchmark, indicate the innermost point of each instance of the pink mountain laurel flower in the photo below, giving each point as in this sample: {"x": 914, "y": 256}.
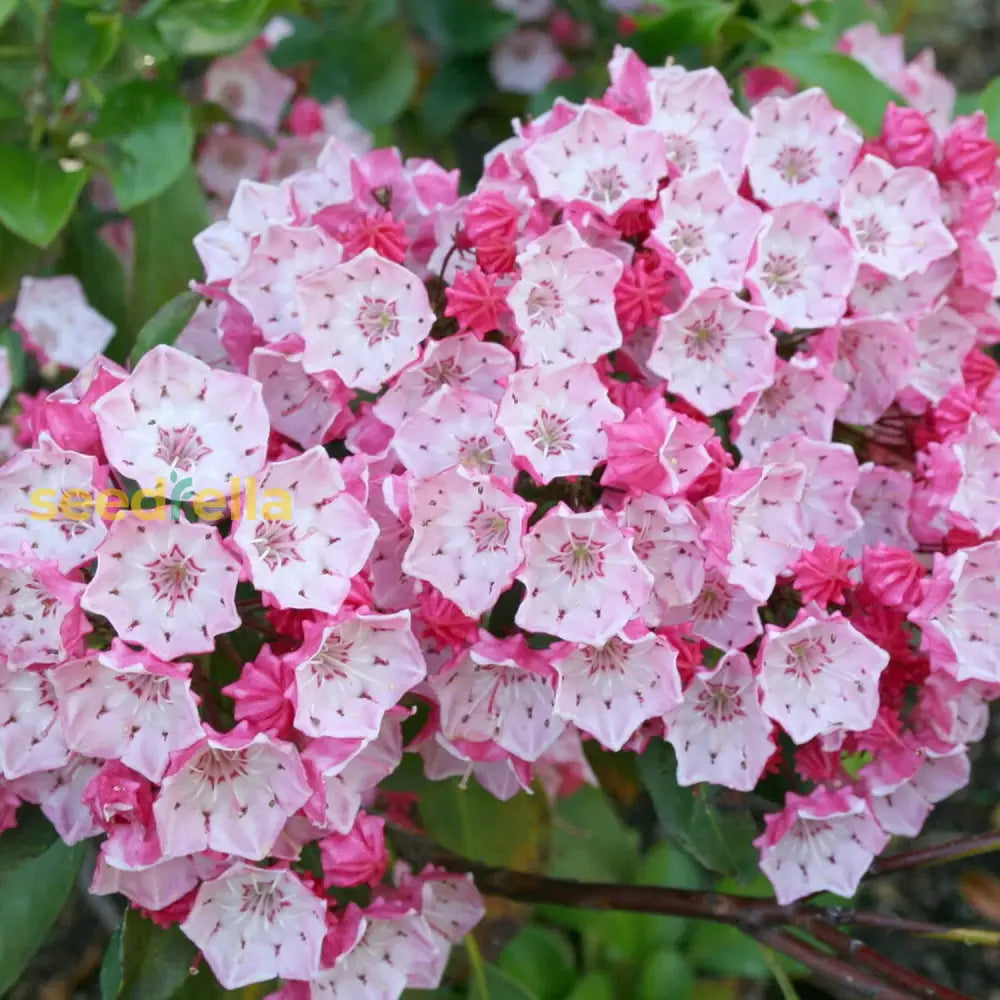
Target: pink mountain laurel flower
{"x": 823, "y": 574}
{"x": 977, "y": 498}
{"x": 719, "y": 732}
{"x": 128, "y": 706}
{"x": 893, "y": 217}
{"x": 231, "y": 793}
{"x": 268, "y": 284}
{"x": 583, "y": 580}
{"x": 832, "y": 474}
{"x": 460, "y": 362}
{"x": 355, "y": 858}
{"x": 715, "y": 350}
{"x": 876, "y": 355}
{"x": 467, "y": 537}
{"x": 803, "y": 267}
{"x": 454, "y": 428}
{"x": 554, "y": 419}
{"x": 48, "y": 505}
{"x": 819, "y": 675}
{"x": 301, "y": 407}
{"x": 944, "y": 338}
{"x": 178, "y": 420}
{"x": 55, "y": 319}
{"x": 41, "y": 621}
{"x": 609, "y": 691}
{"x": 563, "y": 301}
{"x": 598, "y": 159}
{"x": 168, "y": 586}
{"x": 882, "y": 497}
{"x": 31, "y": 733}
{"x": 364, "y": 319}
{"x": 721, "y": 613}
{"x": 958, "y": 616}
{"x": 824, "y": 841}
{"x": 701, "y": 126}
{"x": 801, "y": 150}
{"x": 755, "y": 528}
{"x": 349, "y": 674}
{"x": 656, "y": 450}
{"x": 502, "y": 692}
{"x": 667, "y": 541}
{"x": 255, "y": 924}
{"x": 306, "y": 556}
{"x": 706, "y": 230}
{"x": 249, "y": 88}
{"x": 802, "y": 400}
{"x": 477, "y": 300}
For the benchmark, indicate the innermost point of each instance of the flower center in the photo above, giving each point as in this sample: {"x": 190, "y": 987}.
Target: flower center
{"x": 681, "y": 151}
{"x": 796, "y": 164}
{"x": 174, "y": 576}
{"x": 180, "y": 447}
{"x": 720, "y": 703}
{"x": 550, "y": 434}
{"x": 871, "y": 235}
{"x": 604, "y": 184}
{"x": 378, "y": 321}
{"x": 806, "y": 658}
{"x": 544, "y": 304}
{"x": 705, "y": 338}
{"x": 580, "y": 558}
{"x": 782, "y": 275}
{"x": 276, "y": 543}
{"x": 688, "y": 242}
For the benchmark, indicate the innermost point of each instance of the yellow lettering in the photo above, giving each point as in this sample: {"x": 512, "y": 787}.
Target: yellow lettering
{"x": 75, "y": 505}
{"x": 279, "y": 499}
{"x": 43, "y": 504}
{"x": 209, "y": 505}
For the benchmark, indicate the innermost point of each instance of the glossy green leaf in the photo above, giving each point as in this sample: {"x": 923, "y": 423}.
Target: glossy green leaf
{"x": 457, "y": 87}
{"x": 7, "y": 7}
{"x": 111, "y": 965}
{"x": 374, "y": 71}
{"x": 18, "y": 257}
{"x": 165, "y": 260}
{"x": 11, "y": 342}
{"x": 989, "y": 101}
{"x": 30, "y": 839}
{"x": 156, "y": 961}
{"x": 668, "y": 866}
{"x": 207, "y": 27}
{"x": 590, "y": 840}
{"x": 461, "y": 26}
{"x": 32, "y": 892}
{"x": 595, "y": 985}
{"x": 540, "y": 959}
{"x": 665, "y": 974}
{"x": 100, "y": 270}
{"x": 690, "y": 23}
{"x": 36, "y": 194}
{"x": 718, "y": 836}
{"x": 470, "y": 821}
{"x": 150, "y": 139}
{"x": 166, "y": 324}
{"x": 848, "y": 84}
{"x": 497, "y": 985}
{"x": 83, "y": 41}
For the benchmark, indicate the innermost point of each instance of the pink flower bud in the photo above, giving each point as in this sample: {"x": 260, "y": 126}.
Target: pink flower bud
{"x": 893, "y": 576}
{"x": 908, "y": 137}
{"x": 357, "y": 857}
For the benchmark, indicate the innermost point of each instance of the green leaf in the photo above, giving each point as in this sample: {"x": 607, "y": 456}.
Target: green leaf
{"x": 590, "y": 841}
{"x": 30, "y": 839}
{"x": 151, "y": 139}
{"x": 87, "y": 255}
{"x": 458, "y": 86}
{"x": 7, "y": 7}
{"x": 540, "y": 959}
{"x": 373, "y": 70}
{"x": 11, "y": 342}
{"x": 721, "y": 839}
{"x": 694, "y": 23}
{"x": 665, "y": 974}
{"x": 32, "y": 893}
{"x": 156, "y": 961}
{"x": 497, "y": 985}
{"x": 36, "y": 194}
{"x": 721, "y": 950}
{"x": 111, "y": 965}
{"x": 165, "y": 324}
{"x": 165, "y": 260}
{"x": 989, "y": 101}
{"x": 595, "y": 985}
{"x": 667, "y": 866}
{"x": 470, "y": 821}
{"x": 461, "y": 26}
{"x": 83, "y": 41}
{"x": 207, "y": 27}
{"x": 848, "y": 84}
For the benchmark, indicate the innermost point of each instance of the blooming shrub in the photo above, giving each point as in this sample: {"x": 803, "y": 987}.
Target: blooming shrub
{"x": 674, "y": 437}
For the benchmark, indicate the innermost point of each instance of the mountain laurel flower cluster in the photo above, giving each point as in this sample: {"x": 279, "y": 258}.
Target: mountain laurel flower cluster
{"x": 679, "y": 427}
